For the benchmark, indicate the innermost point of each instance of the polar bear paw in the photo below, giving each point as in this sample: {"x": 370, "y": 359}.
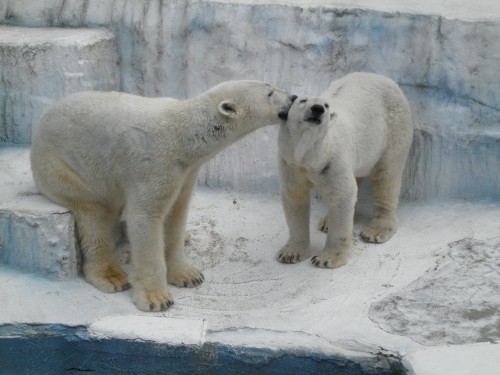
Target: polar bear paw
{"x": 327, "y": 259}
{"x": 379, "y": 230}
{"x": 185, "y": 277}
{"x": 107, "y": 278}
{"x": 155, "y": 300}
{"x": 292, "y": 254}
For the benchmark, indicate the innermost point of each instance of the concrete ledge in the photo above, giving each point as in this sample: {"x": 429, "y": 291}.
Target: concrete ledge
{"x": 40, "y": 66}
{"x": 254, "y": 312}
{"x": 55, "y": 349}
{"x": 35, "y": 234}
{"x": 470, "y": 359}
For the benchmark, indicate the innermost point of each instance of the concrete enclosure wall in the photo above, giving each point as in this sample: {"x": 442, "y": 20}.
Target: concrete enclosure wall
{"x": 447, "y": 67}
{"x": 42, "y": 65}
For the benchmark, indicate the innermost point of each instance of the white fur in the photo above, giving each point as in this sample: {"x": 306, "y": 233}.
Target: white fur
{"x": 96, "y": 153}
{"x": 365, "y": 130}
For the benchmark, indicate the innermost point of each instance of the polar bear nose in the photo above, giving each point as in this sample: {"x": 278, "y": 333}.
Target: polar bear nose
{"x": 317, "y": 109}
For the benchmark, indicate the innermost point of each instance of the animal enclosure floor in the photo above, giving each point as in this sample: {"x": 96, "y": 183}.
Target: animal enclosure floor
{"x": 435, "y": 283}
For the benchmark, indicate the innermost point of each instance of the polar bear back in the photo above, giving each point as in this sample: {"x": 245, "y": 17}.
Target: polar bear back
{"x": 95, "y": 114}
{"x": 370, "y": 112}
{"x": 102, "y": 136}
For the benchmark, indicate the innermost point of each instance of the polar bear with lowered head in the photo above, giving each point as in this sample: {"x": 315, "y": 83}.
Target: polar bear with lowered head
{"x": 101, "y": 153}
{"x": 359, "y": 127}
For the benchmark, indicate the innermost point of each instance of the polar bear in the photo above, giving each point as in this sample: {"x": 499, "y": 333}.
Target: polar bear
{"x": 359, "y": 127}
{"x": 99, "y": 153}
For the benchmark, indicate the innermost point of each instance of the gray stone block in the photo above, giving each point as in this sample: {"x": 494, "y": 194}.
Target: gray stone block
{"x": 41, "y": 65}
{"x": 35, "y": 235}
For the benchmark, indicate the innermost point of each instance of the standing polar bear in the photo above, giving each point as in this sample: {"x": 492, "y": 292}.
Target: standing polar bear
{"x": 97, "y": 153}
{"x": 360, "y": 126}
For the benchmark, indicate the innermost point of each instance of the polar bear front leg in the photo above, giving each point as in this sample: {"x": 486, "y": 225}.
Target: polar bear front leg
{"x": 145, "y": 229}
{"x": 296, "y": 205}
{"x": 179, "y": 272}
{"x": 323, "y": 224}
{"x": 341, "y": 201}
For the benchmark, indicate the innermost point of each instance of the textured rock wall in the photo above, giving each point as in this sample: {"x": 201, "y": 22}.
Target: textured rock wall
{"x": 40, "y": 66}
{"x": 36, "y": 235}
{"x": 447, "y": 67}
{"x": 39, "y": 242}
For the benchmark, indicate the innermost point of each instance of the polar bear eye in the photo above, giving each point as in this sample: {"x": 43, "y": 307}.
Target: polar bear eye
{"x": 326, "y": 105}
{"x": 303, "y": 101}
{"x": 270, "y": 93}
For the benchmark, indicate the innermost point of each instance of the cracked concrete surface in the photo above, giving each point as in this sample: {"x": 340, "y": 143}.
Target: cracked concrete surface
{"x": 456, "y": 302}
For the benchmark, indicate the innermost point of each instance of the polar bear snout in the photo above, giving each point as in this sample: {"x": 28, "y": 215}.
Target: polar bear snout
{"x": 310, "y": 111}
{"x": 317, "y": 109}
{"x": 315, "y": 113}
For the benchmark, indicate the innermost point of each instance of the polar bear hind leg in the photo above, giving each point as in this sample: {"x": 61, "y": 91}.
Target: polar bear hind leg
{"x": 95, "y": 223}
{"x": 386, "y": 187}
{"x": 386, "y": 176}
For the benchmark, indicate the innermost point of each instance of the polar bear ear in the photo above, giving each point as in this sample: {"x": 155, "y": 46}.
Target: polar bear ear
{"x": 227, "y": 108}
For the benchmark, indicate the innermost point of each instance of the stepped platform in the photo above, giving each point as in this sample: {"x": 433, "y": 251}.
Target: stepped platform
{"x": 42, "y": 65}
{"x": 424, "y": 303}
{"x": 35, "y": 234}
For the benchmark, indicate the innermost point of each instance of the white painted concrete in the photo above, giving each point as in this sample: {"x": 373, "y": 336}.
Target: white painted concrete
{"x": 460, "y": 289}
{"x": 150, "y": 328}
{"x": 35, "y": 234}
{"x": 471, "y": 359}
{"x": 461, "y": 9}
{"x": 445, "y": 56}
{"x": 443, "y": 53}
{"x": 248, "y": 297}
{"x": 42, "y": 65}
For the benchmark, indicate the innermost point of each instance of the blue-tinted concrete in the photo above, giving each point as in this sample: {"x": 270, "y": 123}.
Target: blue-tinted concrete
{"x": 58, "y": 349}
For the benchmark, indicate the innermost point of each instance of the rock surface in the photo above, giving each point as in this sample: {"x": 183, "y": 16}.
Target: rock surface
{"x": 471, "y": 359}
{"x": 35, "y": 234}
{"x": 453, "y": 303}
{"x": 434, "y": 283}
{"x": 41, "y": 65}
{"x": 249, "y": 299}
{"x": 444, "y": 54}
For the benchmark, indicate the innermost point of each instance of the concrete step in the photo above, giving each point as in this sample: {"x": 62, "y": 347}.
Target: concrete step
{"x": 35, "y": 235}
{"x": 41, "y": 65}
